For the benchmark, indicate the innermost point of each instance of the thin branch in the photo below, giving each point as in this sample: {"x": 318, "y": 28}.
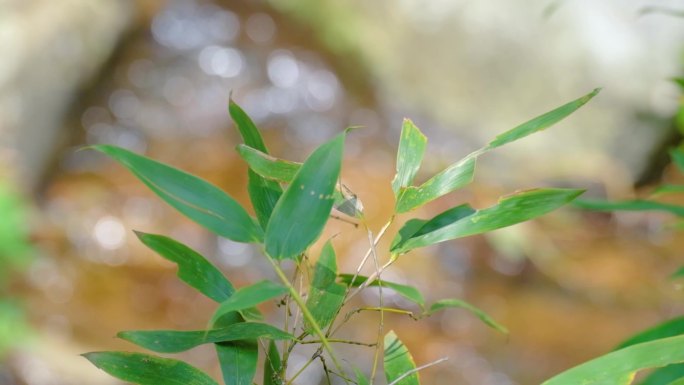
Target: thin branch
{"x": 412, "y": 371}
{"x": 381, "y": 324}
{"x": 339, "y": 341}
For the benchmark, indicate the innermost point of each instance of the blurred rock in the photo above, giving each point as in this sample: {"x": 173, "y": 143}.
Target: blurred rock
{"x": 50, "y": 49}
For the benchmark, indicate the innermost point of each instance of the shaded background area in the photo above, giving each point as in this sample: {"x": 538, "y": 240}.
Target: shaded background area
{"x": 155, "y": 77}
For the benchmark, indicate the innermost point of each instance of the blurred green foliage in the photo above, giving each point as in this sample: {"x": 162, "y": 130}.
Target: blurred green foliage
{"x": 15, "y": 255}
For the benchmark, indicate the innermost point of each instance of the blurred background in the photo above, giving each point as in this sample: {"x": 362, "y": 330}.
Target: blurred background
{"x": 154, "y": 76}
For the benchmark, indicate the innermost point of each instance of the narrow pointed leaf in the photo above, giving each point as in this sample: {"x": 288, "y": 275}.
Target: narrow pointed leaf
{"x": 196, "y": 198}
{"x": 276, "y": 170}
{"x": 665, "y": 375}
{"x": 409, "y": 292}
{"x": 417, "y": 227}
{"x": 409, "y": 156}
{"x": 398, "y": 361}
{"x": 450, "y": 179}
{"x": 669, "y": 328}
{"x": 541, "y": 122}
{"x": 248, "y": 130}
{"x": 248, "y": 297}
{"x": 510, "y": 210}
{"x": 144, "y": 369}
{"x": 302, "y": 212}
{"x": 620, "y": 366}
{"x": 263, "y": 193}
{"x": 461, "y": 173}
{"x": 457, "y": 303}
{"x": 193, "y": 268}
{"x": 174, "y": 341}
{"x": 325, "y": 296}
{"x": 631, "y": 205}
{"x": 238, "y": 359}
{"x": 268, "y": 166}
{"x": 272, "y": 366}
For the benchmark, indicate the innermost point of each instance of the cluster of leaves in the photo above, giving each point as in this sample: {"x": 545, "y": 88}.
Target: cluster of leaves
{"x": 293, "y": 202}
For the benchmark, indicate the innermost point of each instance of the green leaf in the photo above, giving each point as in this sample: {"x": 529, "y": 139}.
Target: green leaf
{"x": 668, "y": 189}
{"x": 193, "y": 268}
{"x": 263, "y": 193}
{"x": 272, "y": 366}
{"x": 417, "y": 227}
{"x": 664, "y": 375}
{"x": 669, "y": 328}
{"x": 268, "y": 166}
{"x": 541, "y": 122}
{"x": 461, "y": 173}
{"x": 677, "y": 382}
{"x": 619, "y": 367}
{"x": 361, "y": 378}
{"x": 457, "y": 303}
{"x": 248, "y": 297}
{"x": 398, "y": 361}
{"x": 510, "y": 210}
{"x": 238, "y": 359}
{"x": 677, "y": 155}
{"x": 410, "y": 155}
{"x": 409, "y": 292}
{"x": 274, "y": 169}
{"x": 196, "y": 198}
{"x": 325, "y": 295}
{"x": 450, "y": 179}
{"x": 248, "y": 130}
{"x": 143, "y": 369}
{"x": 630, "y": 205}
{"x": 175, "y": 341}
{"x": 302, "y": 212}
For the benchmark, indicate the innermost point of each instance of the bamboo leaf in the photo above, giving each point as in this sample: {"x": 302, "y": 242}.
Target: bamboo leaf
{"x": 450, "y": 179}
{"x": 238, "y": 359}
{"x": 263, "y": 193}
{"x": 398, "y": 361}
{"x": 409, "y": 156}
{"x": 668, "y": 189}
{"x": 457, "y": 303}
{"x": 302, "y": 212}
{"x": 669, "y": 328}
{"x": 196, "y": 198}
{"x": 541, "y": 122}
{"x": 193, "y": 268}
{"x": 248, "y": 297}
{"x": 665, "y": 375}
{"x": 417, "y": 227}
{"x": 620, "y": 366}
{"x": 510, "y": 210}
{"x": 268, "y": 166}
{"x": 409, "y": 292}
{"x": 144, "y": 369}
{"x": 325, "y": 295}
{"x": 272, "y": 366}
{"x": 175, "y": 341}
{"x": 462, "y": 172}
{"x": 630, "y": 205}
